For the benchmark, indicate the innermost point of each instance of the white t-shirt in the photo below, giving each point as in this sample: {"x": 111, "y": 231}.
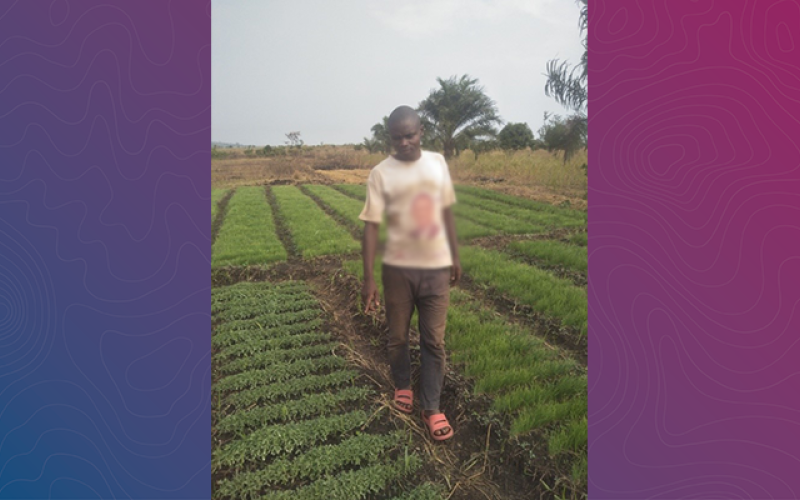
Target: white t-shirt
{"x": 413, "y": 195}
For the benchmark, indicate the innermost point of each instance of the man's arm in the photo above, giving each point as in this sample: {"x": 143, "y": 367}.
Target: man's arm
{"x": 369, "y": 245}
{"x": 450, "y": 226}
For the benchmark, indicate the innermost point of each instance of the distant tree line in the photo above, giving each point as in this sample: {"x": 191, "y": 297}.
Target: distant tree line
{"x": 458, "y": 115}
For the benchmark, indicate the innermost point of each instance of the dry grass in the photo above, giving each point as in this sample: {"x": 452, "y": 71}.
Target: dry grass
{"x": 347, "y": 176}
{"x": 539, "y": 172}
{"x": 535, "y": 175}
{"x": 300, "y": 166}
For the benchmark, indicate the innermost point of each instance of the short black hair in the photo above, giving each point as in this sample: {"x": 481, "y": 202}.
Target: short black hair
{"x": 402, "y": 114}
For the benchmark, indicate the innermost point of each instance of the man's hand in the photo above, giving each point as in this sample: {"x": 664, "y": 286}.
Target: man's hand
{"x": 370, "y": 296}
{"x": 455, "y": 272}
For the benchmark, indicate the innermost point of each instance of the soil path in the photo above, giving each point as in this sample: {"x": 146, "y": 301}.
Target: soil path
{"x": 222, "y": 210}
{"x": 281, "y": 229}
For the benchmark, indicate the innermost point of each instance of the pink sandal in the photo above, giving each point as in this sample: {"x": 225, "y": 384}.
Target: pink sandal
{"x": 437, "y": 422}
{"x": 404, "y": 396}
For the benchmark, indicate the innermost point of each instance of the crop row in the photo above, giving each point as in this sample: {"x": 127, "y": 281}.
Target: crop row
{"x": 580, "y": 239}
{"x": 425, "y": 491}
{"x": 274, "y": 440}
{"x": 272, "y": 302}
{"x": 216, "y": 195}
{"x": 534, "y": 287}
{"x": 229, "y": 337}
{"x": 247, "y": 308}
{"x": 350, "y": 208}
{"x": 269, "y": 319}
{"x": 285, "y": 403}
{"x": 553, "y": 253}
{"x": 354, "y": 484}
{"x": 255, "y": 345}
{"x": 537, "y": 384}
{"x": 356, "y": 191}
{"x": 314, "y": 464}
{"x": 496, "y": 222}
{"x": 247, "y": 289}
{"x": 291, "y": 410}
{"x": 536, "y": 206}
{"x": 278, "y": 372}
{"x": 528, "y": 285}
{"x": 313, "y": 232}
{"x": 266, "y": 358}
{"x": 484, "y": 212}
{"x": 537, "y": 219}
{"x": 276, "y": 391}
{"x": 247, "y": 235}
{"x": 347, "y": 207}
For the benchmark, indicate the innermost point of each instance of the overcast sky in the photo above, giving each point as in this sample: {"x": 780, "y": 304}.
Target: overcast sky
{"x": 332, "y": 69}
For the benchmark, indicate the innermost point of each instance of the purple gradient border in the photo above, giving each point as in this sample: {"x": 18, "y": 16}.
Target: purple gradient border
{"x": 105, "y": 249}
{"x": 694, "y": 249}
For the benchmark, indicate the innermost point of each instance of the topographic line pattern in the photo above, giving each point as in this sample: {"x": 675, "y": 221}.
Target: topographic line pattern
{"x": 694, "y": 249}
{"x": 104, "y": 249}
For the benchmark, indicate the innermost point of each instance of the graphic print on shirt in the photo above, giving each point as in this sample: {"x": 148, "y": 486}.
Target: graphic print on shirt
{"x": 416, "y": 221}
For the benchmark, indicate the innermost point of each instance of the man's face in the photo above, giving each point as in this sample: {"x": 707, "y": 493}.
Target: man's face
{"x": 406, "y": 136}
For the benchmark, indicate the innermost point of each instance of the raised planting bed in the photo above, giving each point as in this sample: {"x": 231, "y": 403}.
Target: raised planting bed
{"x": 528, "y": 285}
{"x": 291, "y": 419}
{"x": 313, "y": 231}
{"x": 551, "y": 253}
{"x": 247, "y": 236}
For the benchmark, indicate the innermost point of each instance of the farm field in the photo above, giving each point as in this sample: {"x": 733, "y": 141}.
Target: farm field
{"x": 290, "y": 411}
{"x": 301, "y": 391}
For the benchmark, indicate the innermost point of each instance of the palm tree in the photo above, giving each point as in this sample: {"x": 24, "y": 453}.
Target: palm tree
{"x": 456, "y": 113}
{"x": 567, "y": 84}
{"x": 380, "y": 133}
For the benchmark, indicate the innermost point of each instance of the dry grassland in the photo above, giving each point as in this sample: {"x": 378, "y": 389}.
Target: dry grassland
{"x": 536, "y": 175}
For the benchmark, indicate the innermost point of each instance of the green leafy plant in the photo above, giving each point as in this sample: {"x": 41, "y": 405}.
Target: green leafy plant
{"x": 266, "y": 358}
{"x": 275, "y": 440}
{"x": 308, "y": 405}
{"x": 277, "y": 372}
{"x": 288, "y": 388}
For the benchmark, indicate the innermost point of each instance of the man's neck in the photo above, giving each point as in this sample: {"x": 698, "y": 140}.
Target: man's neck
{"x": 408, "y": 161}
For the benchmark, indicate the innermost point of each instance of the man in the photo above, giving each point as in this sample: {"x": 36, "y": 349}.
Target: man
{"x": 413, "y": 188}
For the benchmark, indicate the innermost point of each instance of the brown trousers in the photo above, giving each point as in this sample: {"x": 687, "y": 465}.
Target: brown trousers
{"x": 429, "y": 291}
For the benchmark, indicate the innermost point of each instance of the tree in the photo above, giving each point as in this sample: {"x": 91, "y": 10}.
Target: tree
{"x": 373, "y": 145}
{"x": 515, "y": 136}
{"x": 479, "y": 147}
{"x": 457, "y": 113}
{"x": 380, "y": 133}
{"x": 567, "y": 84}
{"x": 294, "y": 139}
{"x": 564, "y": 134}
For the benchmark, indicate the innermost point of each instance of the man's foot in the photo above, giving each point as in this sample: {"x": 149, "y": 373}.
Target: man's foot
{"x": 437, "y": 423}
{"x": 404, "y": 400}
